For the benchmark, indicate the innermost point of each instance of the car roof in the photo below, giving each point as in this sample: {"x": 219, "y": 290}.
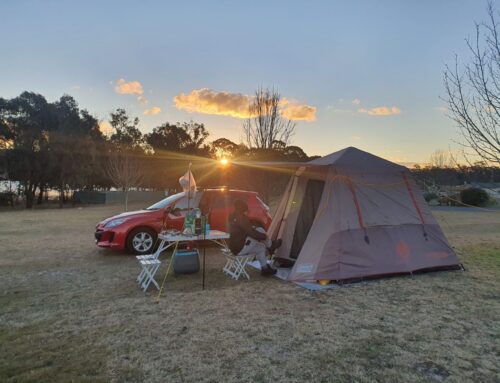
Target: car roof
{"x": 226, "y": 190}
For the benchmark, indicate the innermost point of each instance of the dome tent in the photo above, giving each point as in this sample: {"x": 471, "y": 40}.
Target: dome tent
{"x": 352, "y": 215}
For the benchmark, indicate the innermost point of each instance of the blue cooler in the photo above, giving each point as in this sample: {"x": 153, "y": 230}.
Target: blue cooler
{"x": 186, "y": 261}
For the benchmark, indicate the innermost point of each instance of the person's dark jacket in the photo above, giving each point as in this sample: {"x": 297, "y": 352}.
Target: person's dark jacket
{"x": 240, "y": 228}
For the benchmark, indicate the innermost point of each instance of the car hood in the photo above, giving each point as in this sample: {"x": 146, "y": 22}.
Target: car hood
{"x": 128, "y": 214}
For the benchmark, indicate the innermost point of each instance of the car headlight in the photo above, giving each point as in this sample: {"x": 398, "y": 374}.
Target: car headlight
{"x": 115, "y": 222}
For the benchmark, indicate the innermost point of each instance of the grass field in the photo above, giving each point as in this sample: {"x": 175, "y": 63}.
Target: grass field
{"x": 70, "y": 312}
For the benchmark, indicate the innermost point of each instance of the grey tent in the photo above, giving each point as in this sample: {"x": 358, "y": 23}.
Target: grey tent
{"x": 352, "y": 215}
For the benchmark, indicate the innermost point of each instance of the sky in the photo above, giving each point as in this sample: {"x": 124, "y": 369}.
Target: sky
{"x": 351, "y": 73}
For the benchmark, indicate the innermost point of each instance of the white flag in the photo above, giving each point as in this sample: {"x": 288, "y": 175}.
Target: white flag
{"x": 187, "y": 181}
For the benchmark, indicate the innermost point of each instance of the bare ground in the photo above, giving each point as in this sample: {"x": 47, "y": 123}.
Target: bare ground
{"x": 72, "y": 312}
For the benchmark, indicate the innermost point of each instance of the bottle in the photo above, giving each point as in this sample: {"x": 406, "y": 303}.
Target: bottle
{"x": 197, "y": 226}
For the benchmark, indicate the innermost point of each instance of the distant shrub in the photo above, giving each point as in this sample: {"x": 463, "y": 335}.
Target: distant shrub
{"x": 474, "y": 196}
{"x": 429, "y": 196}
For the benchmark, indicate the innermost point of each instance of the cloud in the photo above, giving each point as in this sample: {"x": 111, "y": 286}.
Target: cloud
{"x": 142, "y": 100}
{"x": 211, "y": 102}
{"x": 105, "y": 127}
{"x": 297, "y": 112}
{"x": 380, "y": 111}
{"x": 356, "y": 101}
{"x": 75, "y": 88}
{"x": 154, "y": 110}
{"x": 356, "y": 138}
{"x": 132, "y": 87}
{"x": 236, "y": 105}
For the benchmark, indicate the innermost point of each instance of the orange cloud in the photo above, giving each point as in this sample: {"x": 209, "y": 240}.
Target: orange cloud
{"x": 380, "y": 111}
{"x": 296, "y": 111}
{"x": 154, "y": 110}
{"x": 211, "y": 102}
{"x": 132, "y": 87}
{"x": 236, "y": 105}
{"x": 105, "y": 127}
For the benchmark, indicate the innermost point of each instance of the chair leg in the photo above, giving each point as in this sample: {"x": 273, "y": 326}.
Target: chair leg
{"x": 141, "y": 276}
{"x": 243, "y": 265}
{"x": 150, "y": 271}
{"x": 235, "y": 266}
{"x": 153, "y": 280}
{"x": 145, "y": 280}
{"x": 227, "y": 266}
{"x": 243, "y": 270}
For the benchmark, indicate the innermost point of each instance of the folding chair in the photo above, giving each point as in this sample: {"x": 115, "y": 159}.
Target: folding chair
{"x": 141, "y": 259}
{"x": 235, "y": 264}
{"x": 149, "y": 269}
{"x": 146, "y": 257}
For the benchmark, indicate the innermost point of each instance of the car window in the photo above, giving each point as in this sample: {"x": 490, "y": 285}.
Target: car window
{"x": 180, "y": 200}
{"x": 226, "y": 200}
{"x": 183, "y": 203}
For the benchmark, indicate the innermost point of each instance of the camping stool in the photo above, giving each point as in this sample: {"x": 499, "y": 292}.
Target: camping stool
{"x": 235, "y": 264}
{"x": 149, "y": 269}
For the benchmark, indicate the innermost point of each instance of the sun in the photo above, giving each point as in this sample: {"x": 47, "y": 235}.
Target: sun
{"x": 224, "y": 161}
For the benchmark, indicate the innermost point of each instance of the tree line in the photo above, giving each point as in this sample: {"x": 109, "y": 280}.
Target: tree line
{"x": 59, "y": 146}
{"x": 445, "y": 169}
{"x": 438, "y": 176}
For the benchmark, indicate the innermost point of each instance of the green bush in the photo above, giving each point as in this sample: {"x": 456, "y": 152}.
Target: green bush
{"x": 474, "y": 196}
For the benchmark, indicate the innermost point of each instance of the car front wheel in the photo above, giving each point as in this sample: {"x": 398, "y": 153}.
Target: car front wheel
{"x": 141, "y": 241}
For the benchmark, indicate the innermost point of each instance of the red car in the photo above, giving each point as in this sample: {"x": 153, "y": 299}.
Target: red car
{"x": 136, "y": 231}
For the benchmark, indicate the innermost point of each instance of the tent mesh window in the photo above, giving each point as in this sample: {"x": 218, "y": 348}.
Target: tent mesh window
{"x": 307, "y": 213}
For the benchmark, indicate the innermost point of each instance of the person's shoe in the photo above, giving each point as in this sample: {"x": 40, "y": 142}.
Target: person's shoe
{"x": 274, "y": 245}
{"x": 268, "y": 270}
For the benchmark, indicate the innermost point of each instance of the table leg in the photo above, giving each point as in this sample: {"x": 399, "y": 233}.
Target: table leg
{"x": 204, "y": 248}
{"x": 162, "y": 247}
{"x": 168, "y": 269}
{"x": 203, "y": 283}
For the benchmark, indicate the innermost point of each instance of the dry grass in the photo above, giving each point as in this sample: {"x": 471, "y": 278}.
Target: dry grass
{"x": 72, "y": 312}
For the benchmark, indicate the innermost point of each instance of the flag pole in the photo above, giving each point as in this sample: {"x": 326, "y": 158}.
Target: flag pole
{"x": 189, "y": 185}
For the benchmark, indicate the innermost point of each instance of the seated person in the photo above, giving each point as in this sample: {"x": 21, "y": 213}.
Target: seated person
{"x": 246, "y": 239}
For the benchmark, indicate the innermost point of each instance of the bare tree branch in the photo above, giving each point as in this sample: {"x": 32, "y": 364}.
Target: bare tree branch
{"x": 473, "y": 92}
{"x": 125, "y": 172}
{"x": 266, "y": 124}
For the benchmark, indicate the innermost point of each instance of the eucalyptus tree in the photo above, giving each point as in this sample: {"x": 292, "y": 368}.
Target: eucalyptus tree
{"x": 26, "y": 122}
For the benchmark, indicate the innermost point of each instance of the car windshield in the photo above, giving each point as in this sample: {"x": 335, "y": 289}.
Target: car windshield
{"x": 166, "y": 201}
{"x": 180, "y": 200}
